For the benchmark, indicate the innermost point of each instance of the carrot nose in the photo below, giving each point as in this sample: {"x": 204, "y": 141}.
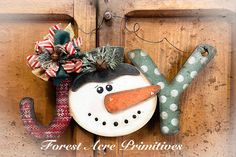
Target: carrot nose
{"x": 119, "y": 101}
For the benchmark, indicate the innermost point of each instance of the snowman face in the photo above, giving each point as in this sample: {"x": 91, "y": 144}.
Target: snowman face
{"x": 88, "y": 109}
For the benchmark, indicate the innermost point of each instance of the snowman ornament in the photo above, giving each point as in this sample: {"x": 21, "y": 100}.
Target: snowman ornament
{"x": 107, "y": 97}
{"x": 112, "y": 98}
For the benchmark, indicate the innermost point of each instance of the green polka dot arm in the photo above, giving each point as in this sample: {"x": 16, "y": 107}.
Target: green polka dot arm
{"x": 142, "y": 61}
{"x": 170, "y": 93}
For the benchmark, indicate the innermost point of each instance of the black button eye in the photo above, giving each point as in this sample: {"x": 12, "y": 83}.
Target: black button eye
{"x": 109, "y": 87}
{"x": 99, "y": 90}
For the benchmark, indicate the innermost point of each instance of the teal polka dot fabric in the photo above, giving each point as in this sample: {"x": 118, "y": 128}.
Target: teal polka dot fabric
{"x": 170, "y": 93}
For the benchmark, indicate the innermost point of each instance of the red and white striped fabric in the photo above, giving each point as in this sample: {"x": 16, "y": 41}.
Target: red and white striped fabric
{"x": 48, "y": 43}
{"x": 78, "y": 66}
{"x": 44, "y": 44}
{"x": 52, "y": 70}
{"x": 52, "y": 33}
{"x": 33, "y": 61}
{"x": 70, "y": 47}
{"x": 70, "y": 66}
{"x": 78, "y": 41}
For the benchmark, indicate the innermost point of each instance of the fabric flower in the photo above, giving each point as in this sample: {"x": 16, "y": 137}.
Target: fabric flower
{"x": 58, "y": 51}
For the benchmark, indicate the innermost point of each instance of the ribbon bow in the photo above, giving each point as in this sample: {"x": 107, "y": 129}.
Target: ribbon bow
{"x": 56, "y": 50}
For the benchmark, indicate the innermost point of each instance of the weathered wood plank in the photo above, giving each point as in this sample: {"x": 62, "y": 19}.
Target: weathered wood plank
{"x": 204, "y": 132}
{"x": 208, "y": 95}
{"x": 130, "y": 5}
{"x": 37, "y": 7}
{"x": 85, "y": 19}
{"x": 233, "y": 89}
{"x": 17, "y": 41}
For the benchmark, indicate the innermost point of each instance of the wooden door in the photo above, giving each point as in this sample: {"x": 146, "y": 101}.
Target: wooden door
{"x": 207, "y": 106}
{"x": 24, "y": 22}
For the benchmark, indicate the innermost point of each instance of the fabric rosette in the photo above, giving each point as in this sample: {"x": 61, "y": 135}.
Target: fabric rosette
{"x": 57, "y": 55}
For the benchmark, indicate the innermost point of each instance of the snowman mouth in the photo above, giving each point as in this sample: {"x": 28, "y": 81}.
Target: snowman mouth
{"x": 116, "y": 123}
{"x": 120, "y": 101}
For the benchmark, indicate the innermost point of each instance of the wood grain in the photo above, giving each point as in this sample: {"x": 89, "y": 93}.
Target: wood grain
{"x": 85, "y": 19}
{"x": 205, "y": 105}
{"x": 208, "y": 94}
{"x": 37, "y": 7}
{"x": 17, "y": 41}
{"x": 233, "y": 88}
{"x": 21, "y": 26}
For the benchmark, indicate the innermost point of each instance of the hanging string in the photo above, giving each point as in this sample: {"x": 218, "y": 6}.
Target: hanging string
{"x": 99, "y": 26}
{"x": 135, "y": 29}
